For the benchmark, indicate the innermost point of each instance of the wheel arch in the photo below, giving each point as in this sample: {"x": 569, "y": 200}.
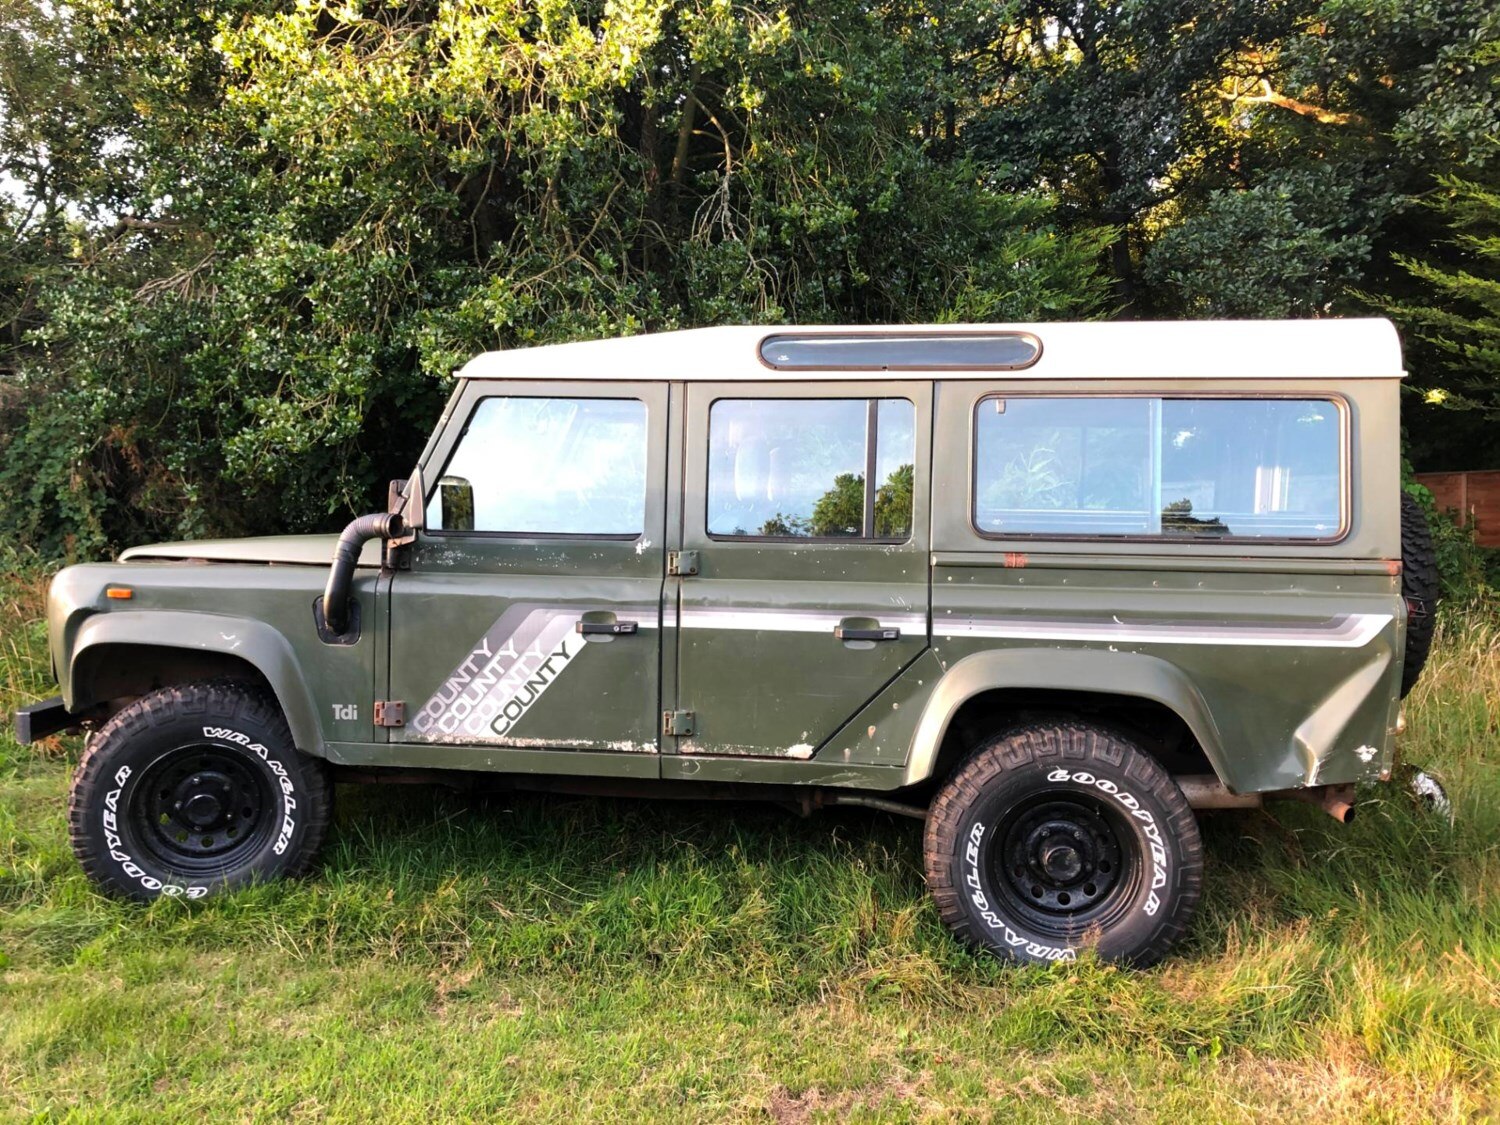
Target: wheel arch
{"x": 1052, "y": 679}
{"x": 120, "y": 655}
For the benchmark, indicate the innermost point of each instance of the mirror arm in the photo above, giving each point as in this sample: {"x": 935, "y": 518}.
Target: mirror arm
{"x": 406, "y": 499}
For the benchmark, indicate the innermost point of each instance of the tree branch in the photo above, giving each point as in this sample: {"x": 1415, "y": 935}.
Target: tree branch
{"x": 1268, "y": 96}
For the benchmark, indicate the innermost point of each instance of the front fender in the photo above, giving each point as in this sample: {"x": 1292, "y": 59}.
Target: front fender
{"x": 1115, "y": 673}
{"x": 254, "y": 642}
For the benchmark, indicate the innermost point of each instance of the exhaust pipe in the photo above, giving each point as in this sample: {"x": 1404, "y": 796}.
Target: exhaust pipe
{"x": 1338, "y": 802}
{"x": 1206, "y": 791}
{"x": 380, "y": 525}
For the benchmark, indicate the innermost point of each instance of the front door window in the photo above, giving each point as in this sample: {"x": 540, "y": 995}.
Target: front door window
{"x": 547, "y": 466}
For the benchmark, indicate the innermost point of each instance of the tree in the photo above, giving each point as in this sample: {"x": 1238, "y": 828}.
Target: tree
{"x": 1095, "y": 99}
{"x": 323, "y": 211}
{"x": 893, "y": 503}
{"x": 840, "y": 510}
{"x": 1458, "y": 314}
{"x": 1284, "y": 247}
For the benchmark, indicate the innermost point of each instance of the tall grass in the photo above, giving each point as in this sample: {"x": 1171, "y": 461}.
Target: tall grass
{"x": 25, "y": 671}
{"x": 552, "y": 958}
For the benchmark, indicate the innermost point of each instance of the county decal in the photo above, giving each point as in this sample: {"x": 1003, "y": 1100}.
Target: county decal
{"x": 509, "y": 669}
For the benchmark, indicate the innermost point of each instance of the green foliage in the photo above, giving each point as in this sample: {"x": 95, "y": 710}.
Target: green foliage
{"x": 1285, "y": 247}
{"x": 242, "y": 245}
{"x": 840, "y": 510}
{"x": 1100, "y": 100}
{"x": 327, "y": 210}
{"x": 893, "y": 503}
{"x": 1458, "y": 314}
{"x": 1033, "y": 477}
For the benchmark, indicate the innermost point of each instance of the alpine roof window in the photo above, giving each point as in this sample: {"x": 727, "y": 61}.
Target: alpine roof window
{"x": 915, "y": 351}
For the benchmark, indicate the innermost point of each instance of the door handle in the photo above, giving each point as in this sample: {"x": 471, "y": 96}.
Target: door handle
{"x": 607, "y": 628}
{"x": 879, "y": 633}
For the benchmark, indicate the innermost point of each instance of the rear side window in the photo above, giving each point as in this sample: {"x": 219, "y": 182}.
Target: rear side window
{"x": 547, "y": 466}
{"x": 1206, "y": 468}
{"x": 811, "y": 468}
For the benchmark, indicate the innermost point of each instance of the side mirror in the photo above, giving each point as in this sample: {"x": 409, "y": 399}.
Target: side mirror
{"x": 457, "y": 498}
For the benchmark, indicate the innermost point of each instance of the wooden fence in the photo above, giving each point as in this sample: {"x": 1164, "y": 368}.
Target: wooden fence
{"x": 1475, "y": 496}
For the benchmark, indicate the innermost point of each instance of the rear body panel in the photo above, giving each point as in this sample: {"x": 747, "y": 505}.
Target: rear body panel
{"x": 1292, "y": 673}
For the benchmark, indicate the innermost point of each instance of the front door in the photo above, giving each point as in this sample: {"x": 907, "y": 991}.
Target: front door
{"x": 530, "y": 616}
{"x": 807, "y": 508}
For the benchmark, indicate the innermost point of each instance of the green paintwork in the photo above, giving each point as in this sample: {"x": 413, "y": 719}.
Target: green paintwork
{"x": 786, "y": 706}
{"x": 261, "y": 615}
{"x": 1244, "y": 704}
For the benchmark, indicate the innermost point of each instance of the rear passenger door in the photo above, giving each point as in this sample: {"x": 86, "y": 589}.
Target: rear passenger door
{"x": 806, "y": 506}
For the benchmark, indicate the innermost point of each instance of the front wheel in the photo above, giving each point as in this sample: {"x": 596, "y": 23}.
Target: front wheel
{"x": 1059, "y": 837}
{"x": 196, "y": 789}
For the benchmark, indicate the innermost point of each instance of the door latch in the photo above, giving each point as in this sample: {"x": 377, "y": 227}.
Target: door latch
{"x": 682, "y": 562}
{"x": 390, "y": 713}
{"x": 678, "y": 724}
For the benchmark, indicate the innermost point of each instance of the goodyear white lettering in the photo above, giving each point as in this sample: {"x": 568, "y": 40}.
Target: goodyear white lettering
{"x": 1154, "y": 842}
{"x": 994, "y": 921}
{"x": 109, "y": 818}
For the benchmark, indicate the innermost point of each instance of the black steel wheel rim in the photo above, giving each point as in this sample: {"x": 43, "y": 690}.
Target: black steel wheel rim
{"x": 200, "y": 809}
{"x": 1064, "y": 862}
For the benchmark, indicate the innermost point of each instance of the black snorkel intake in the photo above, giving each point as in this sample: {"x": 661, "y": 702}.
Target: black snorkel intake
{"x": 335, "y": 603}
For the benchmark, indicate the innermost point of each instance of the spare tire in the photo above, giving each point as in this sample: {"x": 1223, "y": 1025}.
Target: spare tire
{"x": 1419, "y": 586}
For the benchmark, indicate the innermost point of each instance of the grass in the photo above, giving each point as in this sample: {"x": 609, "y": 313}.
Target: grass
{"x": 553, "y": 959}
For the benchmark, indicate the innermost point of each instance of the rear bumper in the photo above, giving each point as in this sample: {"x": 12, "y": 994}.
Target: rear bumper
{"x": 38, "y": 720}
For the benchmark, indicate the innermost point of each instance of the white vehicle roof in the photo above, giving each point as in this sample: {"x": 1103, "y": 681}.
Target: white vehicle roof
{"x": 1189, "y": 349}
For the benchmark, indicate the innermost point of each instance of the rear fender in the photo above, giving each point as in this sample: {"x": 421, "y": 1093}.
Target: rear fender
{"x": 1114, "y": 673}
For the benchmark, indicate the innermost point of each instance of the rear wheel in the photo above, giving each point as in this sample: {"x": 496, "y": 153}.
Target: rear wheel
{"x": 1060, "y": 837}
{"x": 196, "y": 789}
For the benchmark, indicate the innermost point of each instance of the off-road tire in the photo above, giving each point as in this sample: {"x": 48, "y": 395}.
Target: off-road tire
{"x": 259, "y": 810}
{"x": 1420, "y": 586}
{"x": 1017, "y": 777}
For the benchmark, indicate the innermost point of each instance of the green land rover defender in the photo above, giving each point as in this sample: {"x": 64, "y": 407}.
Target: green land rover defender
{"x": 1049, "y": 588}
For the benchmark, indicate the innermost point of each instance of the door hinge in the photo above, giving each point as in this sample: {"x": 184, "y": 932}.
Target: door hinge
{"x": 677, "y": 724}
{"x": 682, "y": 562}
{"x": 390, "y": 713}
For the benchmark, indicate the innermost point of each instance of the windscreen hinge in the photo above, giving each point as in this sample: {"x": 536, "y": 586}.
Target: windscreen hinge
{"x": 390, "y": 713}
{"x": 678, "y": 724}
{"x": 682, "y": 562}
